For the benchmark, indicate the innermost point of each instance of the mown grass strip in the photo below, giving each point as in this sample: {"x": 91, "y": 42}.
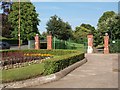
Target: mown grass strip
{"x": 22, "y": 73}
{"x": 62, "y": 59}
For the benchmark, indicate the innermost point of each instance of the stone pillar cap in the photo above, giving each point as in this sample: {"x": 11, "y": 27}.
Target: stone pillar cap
{"x": 106, "y": 34}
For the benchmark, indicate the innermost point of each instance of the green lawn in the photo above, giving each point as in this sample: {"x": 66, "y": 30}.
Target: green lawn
{"x": 2, "y": 37}
{"x": 34, "y": 70}
{"x": 22, "y": 73}
{"x": 79, "y": 46}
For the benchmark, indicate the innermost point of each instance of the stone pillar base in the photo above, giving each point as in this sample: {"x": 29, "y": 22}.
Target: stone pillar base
{"x": 37, "y": 42}
{"x": 90, "y": 43}
{"x": 49, "y": 42}
{"x": 90, "y": 49}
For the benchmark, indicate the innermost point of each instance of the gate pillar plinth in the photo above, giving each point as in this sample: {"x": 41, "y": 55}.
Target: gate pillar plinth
{"x": 49, "y": 42}
{"x": 90, "y": 43}
{"x": 106, "y": 44}
{"x": 37, "y": 42}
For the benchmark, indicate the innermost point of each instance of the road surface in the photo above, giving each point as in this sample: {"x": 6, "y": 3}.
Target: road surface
{"x": 96, "y": 73}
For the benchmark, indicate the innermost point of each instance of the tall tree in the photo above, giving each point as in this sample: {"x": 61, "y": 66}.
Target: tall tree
{"x": 59, "y": 28}
{"x": 82, "y": 31}
{"x": 28, "y": 20}
{"x": 44, "y": 35}
{"x": 102, "y": 25}
{"x": 5, "y": 6}
{"x": 113, "y": 25}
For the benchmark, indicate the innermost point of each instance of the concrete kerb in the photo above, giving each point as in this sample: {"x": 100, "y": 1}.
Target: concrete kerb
{"x": 44, "y": 79}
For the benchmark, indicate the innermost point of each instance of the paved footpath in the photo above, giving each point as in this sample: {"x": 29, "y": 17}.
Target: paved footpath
{"x": 96, "y": 73}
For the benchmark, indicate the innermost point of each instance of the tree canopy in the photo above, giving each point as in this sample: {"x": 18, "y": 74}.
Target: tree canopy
{"x": 5, "y": 6}
{"x": 109, "y": 23}
{"x": 113, "y": 25}
{"x": 59, "y": 28}
{"x": 82, "y": 31}
{"x": 28, "y": 20}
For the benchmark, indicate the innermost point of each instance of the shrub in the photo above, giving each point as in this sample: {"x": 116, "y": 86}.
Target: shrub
{"x": 44, "y": 51}
{"x": 11, "y": 41}
{"x": 57, "y": 64}
{"x": 10, "y": 57}
{"x": 49, "y": 66}
{"x": 14, "y": 56}
{"x": 115, "y": 47}
{"x": 54, "y": 51}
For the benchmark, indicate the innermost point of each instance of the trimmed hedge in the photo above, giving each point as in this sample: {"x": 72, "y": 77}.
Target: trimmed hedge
{"x": 61, "y": 60}
{"x": 56, "y": 64}
{"x": 44, "y": 51}
{"x": 10, "y": 41}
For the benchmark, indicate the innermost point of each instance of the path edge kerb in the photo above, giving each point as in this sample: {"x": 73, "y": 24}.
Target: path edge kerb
{"x": 44, "y": 79}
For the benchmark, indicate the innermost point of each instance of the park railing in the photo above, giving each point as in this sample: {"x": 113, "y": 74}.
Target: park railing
{"x": 62, "y": 44}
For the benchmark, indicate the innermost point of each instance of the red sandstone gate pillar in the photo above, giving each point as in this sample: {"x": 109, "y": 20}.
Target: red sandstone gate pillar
{"x": 106, "y": 44}
{"x": 49, "y": 42}
{"x": 37, "y": 42}
{"x": 90, "y": 43}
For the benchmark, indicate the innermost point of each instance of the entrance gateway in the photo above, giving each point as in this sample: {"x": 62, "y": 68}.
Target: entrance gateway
{"x": 90, "y": 44}
{"x": 49, "y": 42}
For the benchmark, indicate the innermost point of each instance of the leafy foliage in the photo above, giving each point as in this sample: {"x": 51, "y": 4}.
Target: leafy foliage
{"x": 5, "y": 26}
{"x": 43, "y": 35}
{"x": 5, "y": 6}
{"x": 113, "y": 25}
{"x": 56, "y": 64}
{"x": 59, "y": 28}
{"x": 63, "y": 59}
{"x": 28, "y": 20}
{"x": 82, "y": 31}
{"x": 11, "y": 41}
{"x": 105, "y": 16}
{"x": 103, "y": 25}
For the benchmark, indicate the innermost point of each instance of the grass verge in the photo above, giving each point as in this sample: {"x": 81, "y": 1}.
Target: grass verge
{"x": 22, "y": 73}
{"x": 61, "y": 59}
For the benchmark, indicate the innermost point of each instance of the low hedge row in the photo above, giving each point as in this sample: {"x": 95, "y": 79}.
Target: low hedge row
{"x": 57, "y": 64}
{"x": 43, "y": 51}
{"x": 10, "y": 41}
{"x": 62, "y": 59}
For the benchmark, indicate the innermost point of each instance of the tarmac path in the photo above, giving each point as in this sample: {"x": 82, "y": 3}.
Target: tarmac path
{"x": 96, "y": 73}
